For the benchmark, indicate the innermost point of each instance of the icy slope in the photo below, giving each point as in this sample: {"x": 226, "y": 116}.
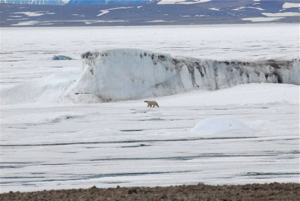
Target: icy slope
{"x": 123, "y": 74}
{"x": 42, "y": 90}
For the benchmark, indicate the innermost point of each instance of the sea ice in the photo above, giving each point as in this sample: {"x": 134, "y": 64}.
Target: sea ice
{"x": 61, "y": 145}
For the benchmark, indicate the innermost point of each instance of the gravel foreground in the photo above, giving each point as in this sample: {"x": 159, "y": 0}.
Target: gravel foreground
{"x": 273, "y": 191}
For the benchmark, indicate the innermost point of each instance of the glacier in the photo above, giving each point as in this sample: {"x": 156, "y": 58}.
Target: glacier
{"x": 37, "y": 2}
{"x": 125, "y": 74}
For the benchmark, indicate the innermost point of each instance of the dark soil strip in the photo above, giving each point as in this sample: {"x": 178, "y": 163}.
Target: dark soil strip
{"x": 249, "y": 192}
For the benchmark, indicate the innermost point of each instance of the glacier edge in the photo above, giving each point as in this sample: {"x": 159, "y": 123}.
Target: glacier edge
{"x": 124, "y": 74}
{"x": 128, "y": 74}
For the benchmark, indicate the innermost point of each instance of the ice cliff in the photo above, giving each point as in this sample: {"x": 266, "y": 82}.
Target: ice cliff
{"x": 123, "y": 74}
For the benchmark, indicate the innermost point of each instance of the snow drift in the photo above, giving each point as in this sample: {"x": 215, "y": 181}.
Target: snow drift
{"x": 123, "y": 74}
{"x": 46, "y": 89}
{"x": 220, "y": 125}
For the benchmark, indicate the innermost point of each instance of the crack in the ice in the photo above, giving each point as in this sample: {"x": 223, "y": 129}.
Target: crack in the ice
{"x": 97, "y": 176}
{"x": 183, "y": 158}
{"x": 125, "y": 141}
{"x": 271, "y": 173}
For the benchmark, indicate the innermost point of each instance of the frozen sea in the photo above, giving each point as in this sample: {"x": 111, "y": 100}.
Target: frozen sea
{"x": 244, "y": 134}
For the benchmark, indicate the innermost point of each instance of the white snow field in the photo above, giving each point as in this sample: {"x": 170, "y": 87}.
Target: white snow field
{"x": 228, "y": 97}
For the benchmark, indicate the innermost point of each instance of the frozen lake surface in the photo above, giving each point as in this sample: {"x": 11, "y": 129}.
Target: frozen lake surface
{"x": 58, "y": 146}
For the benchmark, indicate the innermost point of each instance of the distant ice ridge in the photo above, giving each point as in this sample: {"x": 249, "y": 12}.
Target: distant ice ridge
{"x": 123, "y": 74}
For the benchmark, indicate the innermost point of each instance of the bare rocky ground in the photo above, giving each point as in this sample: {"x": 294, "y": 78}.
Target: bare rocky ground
{"x": 248, "y": 192}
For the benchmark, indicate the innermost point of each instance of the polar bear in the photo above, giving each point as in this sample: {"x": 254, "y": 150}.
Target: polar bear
{"x": 151, "y": 103}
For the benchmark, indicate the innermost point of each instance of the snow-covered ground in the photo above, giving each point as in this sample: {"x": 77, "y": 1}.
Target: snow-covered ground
{"x": 248, "y": 133}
